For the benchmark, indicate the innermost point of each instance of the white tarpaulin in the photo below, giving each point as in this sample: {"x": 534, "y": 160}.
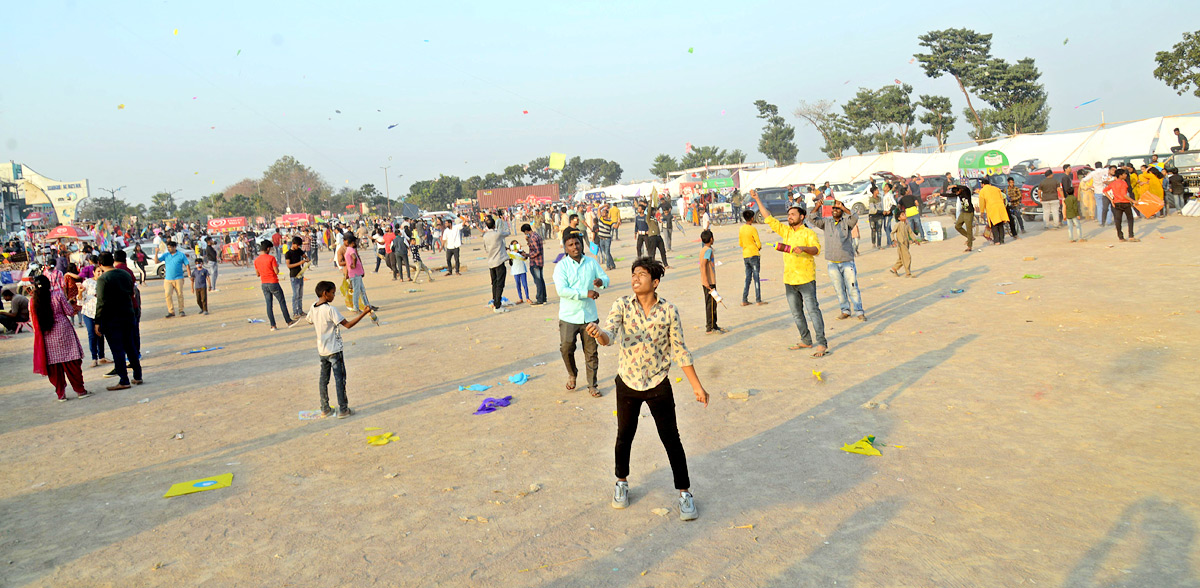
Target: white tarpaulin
{"x": 1076, "y": 148}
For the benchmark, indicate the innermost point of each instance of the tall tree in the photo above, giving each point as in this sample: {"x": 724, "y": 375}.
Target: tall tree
{"x": 939, "y": 116}
{"x": 778, "y": 137}
{"x": 663, "y": 165}
{"x": 830, "y": 124}
{"x": 162, "y": 205}
{"x": 1017, "y": 97}
{"x": 286, "y": 182}
{"x": 1180, "y": 67}
{"x": 702, "y": 156}
{"x": 514, "y": 175}
{"x": 959, "y": 53}
{"x": 539, "y": 171}
{"x": 104, "y": 208}
{"x": 734, "y": 157}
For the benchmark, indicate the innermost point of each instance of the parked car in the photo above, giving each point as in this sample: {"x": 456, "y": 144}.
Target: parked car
{"x": 777, "y": 201}
{"x": 1188, "y": 165}
{"x": 625, "y": 207}
{"x": 1031, "y": 201}
{"x": 1137, "y": 160}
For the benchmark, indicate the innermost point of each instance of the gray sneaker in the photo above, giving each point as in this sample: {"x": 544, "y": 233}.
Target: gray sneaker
{"x": 620, "y": 495}
{"x": 687, "y": 507}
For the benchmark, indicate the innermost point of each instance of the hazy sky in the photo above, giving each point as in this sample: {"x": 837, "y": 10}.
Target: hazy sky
{"x": 600, "y": 79}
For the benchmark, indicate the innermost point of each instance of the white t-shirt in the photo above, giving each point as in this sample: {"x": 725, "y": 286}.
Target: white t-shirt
{"x": 518, "y": 261}
{"x": 453, "y": 236}
{"x": 705, "y": 221}
{"x": 326, "y": 319}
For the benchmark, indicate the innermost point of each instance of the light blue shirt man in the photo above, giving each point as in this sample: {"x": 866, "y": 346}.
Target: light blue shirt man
{"x": 174, "y": 264}
{"x": 572, "y": 280}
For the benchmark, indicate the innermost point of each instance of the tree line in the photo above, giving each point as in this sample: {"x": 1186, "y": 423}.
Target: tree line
{"x": 1011, "y": 97}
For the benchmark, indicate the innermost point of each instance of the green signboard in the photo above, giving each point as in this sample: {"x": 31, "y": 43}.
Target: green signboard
{"x": 716, "y": 183}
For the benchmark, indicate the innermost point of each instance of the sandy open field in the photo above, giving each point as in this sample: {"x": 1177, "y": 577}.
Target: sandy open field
{"x": 1041, "y": 438}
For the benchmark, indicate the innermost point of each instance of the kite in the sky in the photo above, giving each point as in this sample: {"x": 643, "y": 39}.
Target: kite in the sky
{"x": 390, "y": 127}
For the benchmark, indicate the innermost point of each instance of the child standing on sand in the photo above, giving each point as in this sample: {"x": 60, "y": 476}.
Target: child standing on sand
{"x": 520, "y": 270}
{"x": 326, "y": 318}
{"x": 902, "y": 237}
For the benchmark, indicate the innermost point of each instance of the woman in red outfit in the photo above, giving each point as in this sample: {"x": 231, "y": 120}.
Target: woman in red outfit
{"x": 56, "y": 350}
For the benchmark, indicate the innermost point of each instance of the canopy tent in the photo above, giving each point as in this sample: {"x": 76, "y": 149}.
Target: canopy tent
{"x": 69, "y": 232}
{"x": 1152, "y": 135}
{"x": 773, "y": 177}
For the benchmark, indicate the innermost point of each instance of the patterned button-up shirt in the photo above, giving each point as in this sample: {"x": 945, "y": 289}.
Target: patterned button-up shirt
{"x": 1013, "y": 194}
{"x": 649, "y": 342}
{"x": 536, "y": 254}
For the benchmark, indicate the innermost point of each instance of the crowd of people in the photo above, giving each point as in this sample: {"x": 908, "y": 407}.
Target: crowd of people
{"x": 102, "y": 289}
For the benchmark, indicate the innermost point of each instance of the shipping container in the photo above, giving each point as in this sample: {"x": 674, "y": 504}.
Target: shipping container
{"x": 505, "y": 197}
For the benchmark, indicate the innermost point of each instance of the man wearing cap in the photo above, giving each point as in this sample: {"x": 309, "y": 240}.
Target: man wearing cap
{"x": 799, "y": 245}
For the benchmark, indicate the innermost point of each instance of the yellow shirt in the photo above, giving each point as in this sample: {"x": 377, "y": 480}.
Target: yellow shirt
{"x": 614, "y": 215}
{"x": 748, "y": 240}
{"x": 798, "y": 267}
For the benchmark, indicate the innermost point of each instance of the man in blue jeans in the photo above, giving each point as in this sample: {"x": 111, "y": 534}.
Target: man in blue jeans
{"x": 537, "y": 260}
{"x": 798, "y": 247}
{"x": 267, "y": 270}
{"x": 604, "y": 229}
{"x": 839, "y": 252}
{"x": 296, "y": 258}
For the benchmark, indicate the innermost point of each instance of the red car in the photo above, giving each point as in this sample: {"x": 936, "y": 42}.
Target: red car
{"x": 1031, "y": 203}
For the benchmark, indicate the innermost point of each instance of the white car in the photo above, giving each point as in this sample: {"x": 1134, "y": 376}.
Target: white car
{"x": 626, "y": 209}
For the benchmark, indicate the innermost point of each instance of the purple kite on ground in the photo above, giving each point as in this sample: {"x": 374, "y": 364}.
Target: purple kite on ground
{"x": 493, "y": 404}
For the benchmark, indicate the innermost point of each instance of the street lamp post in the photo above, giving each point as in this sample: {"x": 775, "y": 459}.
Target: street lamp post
{"x": 387, "y": 191}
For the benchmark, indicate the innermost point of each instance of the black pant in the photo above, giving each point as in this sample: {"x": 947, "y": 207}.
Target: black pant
{"x": 121, "y": 342}
{"x": 457, "y": 266}
{"x": 662, "y": 408}
{"x": 9, "y": 322}
{"x": 498, "y": 274}
{"x": 402, "y": 263}
{"x": 710, "y": 308}
{"x": 1015, "y": 218}
{"x": 641, "y": 243}
{"x": 656, "y": 242}
{"x": 1123, "y": 208}
{"x": 998, "y": 233}
{"x": 876, "y": 229}
{"x": 378, "y": 258}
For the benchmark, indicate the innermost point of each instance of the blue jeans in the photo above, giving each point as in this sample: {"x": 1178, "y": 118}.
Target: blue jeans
{"x": 802, "y": 299}
{"x": 522, "y": 284}
{"x": 1075, "y": 228}
{"x": 887, "y": 228}
{"x": 752, "y": 272}
{"x": 539, "y": 283}
{"x": 270, "y": 293}
{"x": 1103, "y": 209}
{"x": 605, "y": 256}
{"x": 297, "y": 296}
{"x": 360, "y": 292}
{"x": 844, "y": 277}
{"x": 914, "y": 223}
{"x": 95, "y": 342}
{"x": 337, "y": 363}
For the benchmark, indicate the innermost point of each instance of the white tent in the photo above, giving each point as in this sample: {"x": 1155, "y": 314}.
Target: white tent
{"x": 1152, "y": 135}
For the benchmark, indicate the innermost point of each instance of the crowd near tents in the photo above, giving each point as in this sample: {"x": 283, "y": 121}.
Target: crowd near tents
{"x": 1088, "y": 146}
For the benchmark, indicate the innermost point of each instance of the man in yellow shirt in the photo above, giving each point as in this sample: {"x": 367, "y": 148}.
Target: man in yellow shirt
{"x": 799, "y": 245}
{"x": 750, "y": 243}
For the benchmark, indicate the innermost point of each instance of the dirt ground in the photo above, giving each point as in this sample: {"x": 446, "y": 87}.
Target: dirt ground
{"x": 1040, "y": 437}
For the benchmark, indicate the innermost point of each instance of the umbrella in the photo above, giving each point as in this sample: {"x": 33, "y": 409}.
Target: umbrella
{"x": 68, "y": 232}
{"x": 981, "y": 164}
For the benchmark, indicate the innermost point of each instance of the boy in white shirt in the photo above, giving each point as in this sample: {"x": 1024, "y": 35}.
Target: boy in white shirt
{"x": 326, "y": 318}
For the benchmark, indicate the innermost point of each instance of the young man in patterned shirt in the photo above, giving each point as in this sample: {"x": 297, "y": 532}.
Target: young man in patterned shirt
{"x": 648, "y": 330}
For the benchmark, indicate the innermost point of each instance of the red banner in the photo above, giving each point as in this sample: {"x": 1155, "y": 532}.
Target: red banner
{"x": 689, "y": 189}
{"x": 227, "y": 224}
